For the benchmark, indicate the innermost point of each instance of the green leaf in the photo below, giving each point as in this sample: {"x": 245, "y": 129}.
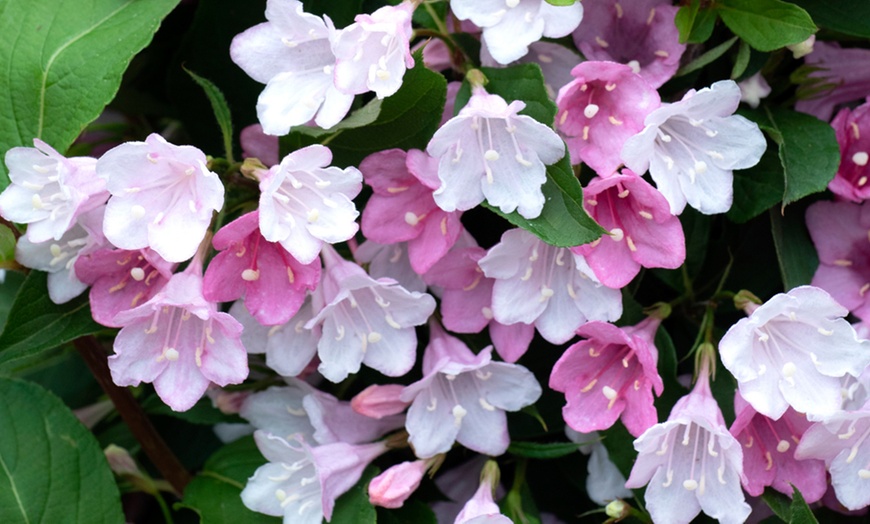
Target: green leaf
{"x": 221, "y": 111}
{"x": 800, "y": 511}
{"x": 538, "y": 450}
{"x": 412, "y": 512}
{"x": 561, "y": 2}
{"x": 695, "y": 24}
{"x": 7, "y": 244}
{"x": 215, "y": 494}
{"x": 779, "y": 503}
{"x": 845, "y": 16}
{"x": 766, "y": 25}
{"x": 707, "y": 58}
{"x": 563, "y": 221}
{"x": 36, "y": 324}
{"x": 758, "y": 188}
{"x": 354, "y": 507}
{"x": 795, "y": 252}
{"x": 61, "y": 62}
{"x": 744, "y": 52}
{"x": 523, "y": 82}
{"x": 792, "y": 511}
{"x": 51, "y": 467}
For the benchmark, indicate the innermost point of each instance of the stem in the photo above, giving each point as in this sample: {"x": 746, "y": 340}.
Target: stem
{"x": 435, "y": 18}
{"x": 167, "y": 515}
{"x": 152, "y": 443}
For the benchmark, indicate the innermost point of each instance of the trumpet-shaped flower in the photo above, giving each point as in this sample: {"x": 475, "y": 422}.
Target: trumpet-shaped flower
{"x": 691, "y": 463}
{"x": 292, "y": 54}
{"x": 509, "y": 27}
{"x": 853, "y": 134}
{"x": 842, "y": 74}
{"x": 692, "y": 147}
{"x": 304, "y": 203}
{"x": 490, "y": 151}
{"x": 463, "y": 397}
{"x": 163, "y": 197}
{"x": 366, "y": 321}
{"x": 794, "y": 350}
{"x": 550, "y": 287}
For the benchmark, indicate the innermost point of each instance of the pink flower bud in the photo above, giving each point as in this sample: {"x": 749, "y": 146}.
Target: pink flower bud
{"x": 393, "y": 486}
{"x": 379, "y": 401}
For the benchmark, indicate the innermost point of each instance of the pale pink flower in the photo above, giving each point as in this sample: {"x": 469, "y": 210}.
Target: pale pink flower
{"x": 390, "y": 261}
{"x": 490, "y": 151}
{"x": 304, "y": 202}
{"x": 392, "y": 488}
{"x": 163, "y": 197}
{"x": 842, "y": 73}
{"x": 481, "y": 507}
{"x": 379, "y": 401}
{"x": 753, "y": 89}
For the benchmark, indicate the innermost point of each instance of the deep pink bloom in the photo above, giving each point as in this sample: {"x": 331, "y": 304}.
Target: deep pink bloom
{"x": 180, "y": 342}
{"x": 600, "y": 109}
{"x": 639, "y": 33}
{"x": 121, "y": 280}
{"x": 643, "y": 232}
{"x": 273, "y": 283}
{"x": 845, "y": 74}
{"x": 163, "y": 197}
{"x": 392, "y": 488}
{"x": 769, "y": 453}
{"x": 839, "y": 232}
{"x": 402, "y": 208}
{"x": 853, "y": 134}
{"x": 610, "y": 375}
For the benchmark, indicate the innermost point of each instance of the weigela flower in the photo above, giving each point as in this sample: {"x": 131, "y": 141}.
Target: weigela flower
{"x": 794, "y": 350}
{"x": 600, "y": 109}
{"x": 490, "y": 151}
{"x": 840, "y": 76}
{"x": 692, "y": 147}
{"x": 643, "y": 232}
{"x": 691, "y": 463}
{"x": 304, "y": 203}
{"x": 550, "y": 287}
{"x": 379, "y": 401}
{"x": 610, "y": 375}
{"x": 390, "y": 261}
{"x": 292, "y": 54}
{"x": 392, "y": 488}
{"x": 366, "y": 321}
{"x": 463, "y": 397}
{"x": 481, "y": 507}
{"x": 180, "y": 342}
{"x": 853, "y": 134}
{"x": 640, "y": 34}
{"x": 753, "y": 89}
{"x": 839, "y": 232}
{"x": 769, "y": 453}
{"x": 841, "y": 441}
{"x": 301, "y": 482}
{"x": 402, "y": 208}
{"x": 510, "y": 26}
{"x": 121, "y": 280}
{"x": 373, "y": 52}
{"x": 273, "y": 283}
{"x": 163, "y": 197}
{"x": 48, "y": 191}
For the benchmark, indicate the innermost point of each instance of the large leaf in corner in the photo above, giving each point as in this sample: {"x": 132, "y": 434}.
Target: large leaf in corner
{"x": 51, "y": 468}
{"x": 36, "y": 324}
{"x": 61, "y": 62}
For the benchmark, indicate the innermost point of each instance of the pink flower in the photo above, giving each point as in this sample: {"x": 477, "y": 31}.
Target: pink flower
{"x": 490, "y": 151}
{"x": 769, "y": 453}
{"x": 640, "y": 34}
{"x": 292, "y": 54}
{"x": 643, "y": 232}
{"x": 373, "y": 52}
{"x": 844, "y": 73}
{"x": 304, "y": 203}
{"x": 402, "y": 208}
{"x": 481, "y": 508}
{"x": 610, "y": 375}
{"x": 180, "y": 342}
{"x": 378, "y": 401}
{"x": 257, "y": 144}
{"x": 273, "y": 283}
{"x": 600, "y": 109}
{"x": 691, "y": 463}
{"x": 163, "y": 197}
{"x": 392, "y": 488}
{"x": 121, "y": 280}
{"x": 48, "y": 191}
{"x": 300, "y": 482}
{"x": 852, "y": 175}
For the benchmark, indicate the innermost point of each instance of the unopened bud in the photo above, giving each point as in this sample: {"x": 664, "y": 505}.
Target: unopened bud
{"x": 804, "y": 48}
{"x": 391, "y": 488}
{"x": 617, "y": 509}
{"x": 378, "y": 401}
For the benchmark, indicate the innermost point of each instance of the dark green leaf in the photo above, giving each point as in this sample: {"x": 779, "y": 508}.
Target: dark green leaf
{"x": 538, "y": 450}
{"x": 221, "y": 111}
{"x": 36, "y": 324}
{"x": 846, "y": 16}
{"x": 742, "y": 60}
{"x": 341, "y": 13}
{"x": 758, "y": 188}
{"x": 779, "y": 503}
{"x": 203, "y": 412}
{"x": 795, "y": 252}
{"x": 563, "y": 221}
{"x": 7, "y": 244}
{"x": 215, "y": 493}
{"x": 354, "y": 507}
{"x": 707, "y": 57}
{"x": 695, "y": 24}
{"x": 766, "y": 25}
{"x": 51, "y": 467}
{"x": 411, "y": 512}
{"x": 61, "y": 62}
{"x": 800, "y": 511}
{"x": 620, "y": 448}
